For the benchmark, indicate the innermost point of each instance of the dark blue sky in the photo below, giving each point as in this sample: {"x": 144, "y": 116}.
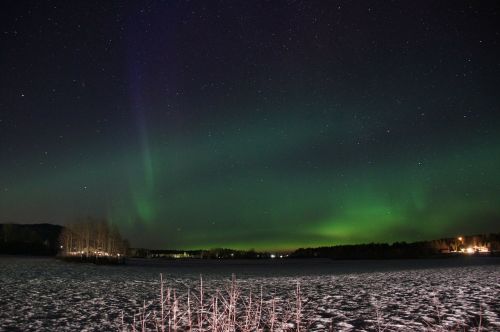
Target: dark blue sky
{"x": 264, "y": 124}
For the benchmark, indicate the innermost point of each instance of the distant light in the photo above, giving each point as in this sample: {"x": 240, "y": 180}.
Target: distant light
{"x": 460, "y": 238}
{"x": 470, "y": 250}
{"x": 61, "y": 247}
{"x": 273, "y": 256}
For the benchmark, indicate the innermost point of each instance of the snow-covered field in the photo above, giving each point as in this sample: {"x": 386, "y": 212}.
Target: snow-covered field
{"x": 41, "y": 294}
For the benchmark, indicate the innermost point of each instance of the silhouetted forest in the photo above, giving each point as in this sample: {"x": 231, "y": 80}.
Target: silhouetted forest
{"x": 36, "y": 239}
{"x": 216, "y": 253}
{"x": 423, "y": 249}
{"x": 97, "y": 238}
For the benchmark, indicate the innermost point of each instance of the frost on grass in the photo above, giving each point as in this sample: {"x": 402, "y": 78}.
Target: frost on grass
{"x": 44, "y": 294}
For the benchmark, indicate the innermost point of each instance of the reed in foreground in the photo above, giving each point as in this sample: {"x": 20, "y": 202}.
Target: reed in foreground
{"x": 224, "y": 310}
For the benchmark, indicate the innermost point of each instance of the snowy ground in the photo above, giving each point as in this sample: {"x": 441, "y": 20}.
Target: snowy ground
{"x": 40, "y": 294}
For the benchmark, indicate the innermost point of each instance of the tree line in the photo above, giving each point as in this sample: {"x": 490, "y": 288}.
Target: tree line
{"x": 422, "y": 249}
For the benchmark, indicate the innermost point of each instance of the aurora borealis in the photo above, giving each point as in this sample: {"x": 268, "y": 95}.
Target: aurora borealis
{"x": 242, "y": 124}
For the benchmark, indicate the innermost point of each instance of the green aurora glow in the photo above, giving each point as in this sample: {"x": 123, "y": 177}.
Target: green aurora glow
{"x": 249, "y": 190}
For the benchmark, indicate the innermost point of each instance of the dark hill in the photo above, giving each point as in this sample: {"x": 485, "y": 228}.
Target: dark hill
{"x": 29, "y": 239}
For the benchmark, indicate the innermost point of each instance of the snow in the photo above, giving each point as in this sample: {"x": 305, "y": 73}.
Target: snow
{"x": 41, "y": 294}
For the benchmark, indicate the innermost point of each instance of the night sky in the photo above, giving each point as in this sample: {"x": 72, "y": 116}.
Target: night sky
{"x": 252, "y": 124}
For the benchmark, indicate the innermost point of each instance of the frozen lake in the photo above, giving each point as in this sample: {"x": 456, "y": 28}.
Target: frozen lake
{"x": 43, "y": 294}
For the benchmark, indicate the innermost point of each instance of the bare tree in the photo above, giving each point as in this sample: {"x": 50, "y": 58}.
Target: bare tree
{"x": 92, "y": 237}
